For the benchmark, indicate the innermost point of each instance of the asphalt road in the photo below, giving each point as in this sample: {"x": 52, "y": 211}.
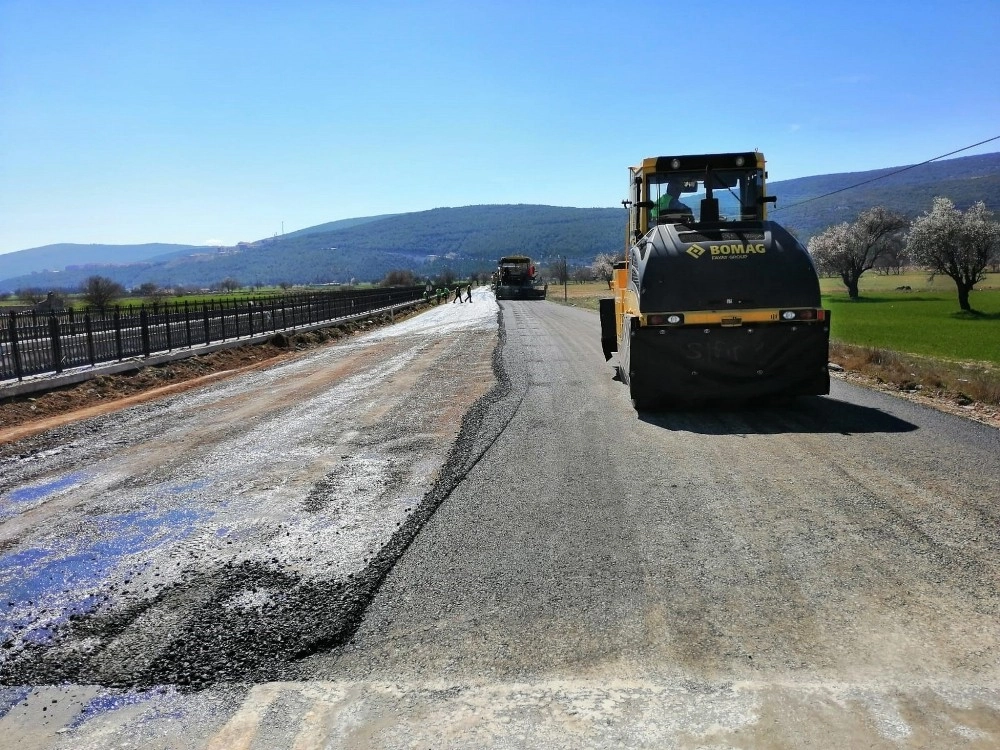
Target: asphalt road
{"x": 565, "y": 572}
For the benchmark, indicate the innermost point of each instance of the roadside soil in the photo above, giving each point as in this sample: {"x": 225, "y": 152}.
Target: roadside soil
{"x": 26, "y": 415}
{"x": 936, "y": 399}
{"x": 21, "y": 416}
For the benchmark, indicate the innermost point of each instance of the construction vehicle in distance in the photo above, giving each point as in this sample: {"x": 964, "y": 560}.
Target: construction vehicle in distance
{"x": 515, "y": 278}
{"x": 712, "y": 301}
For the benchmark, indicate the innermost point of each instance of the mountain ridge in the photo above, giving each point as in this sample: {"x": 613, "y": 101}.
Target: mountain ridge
{"x": 469, "y": 239}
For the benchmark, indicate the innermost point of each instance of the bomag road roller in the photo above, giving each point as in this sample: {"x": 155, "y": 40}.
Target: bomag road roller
{"x": 712, "y": 302}
{"x": 515, "y": 278}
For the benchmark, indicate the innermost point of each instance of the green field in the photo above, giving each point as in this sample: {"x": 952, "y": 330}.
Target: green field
{"x": 918, "y": 281}
{"x": 929, "y": 324}
{"x": 925, "y": 320}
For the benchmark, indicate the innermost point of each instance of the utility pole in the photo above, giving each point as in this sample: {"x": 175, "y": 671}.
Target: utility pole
{"x": 565, "y": 275}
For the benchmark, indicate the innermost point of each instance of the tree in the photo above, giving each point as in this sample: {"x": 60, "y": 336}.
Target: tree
{"x": 604, "y": 266}
{"x": 229, "y": 284}
{"x": 848, "y": 250}
{"x": 895, "y": 258}
{"x": 399, "y": 277}
{"x": 30, "y": 295}
{"x": 558, "y": 270}
{"x": 956, "y": 244}
{"x": 446, "y": 277}
{"x": 157, "y": 294}
{"x": 153, "y": 292}
{"x": 100, "y": 291}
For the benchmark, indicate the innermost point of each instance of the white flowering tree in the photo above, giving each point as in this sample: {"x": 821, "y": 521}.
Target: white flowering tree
{"x": 603, "y": 266}
{"x": 957, "y": 244}
{"x": 848, "y": 250}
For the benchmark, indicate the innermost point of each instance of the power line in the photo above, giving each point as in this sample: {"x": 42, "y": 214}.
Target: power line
{"x": 882, "y": 177}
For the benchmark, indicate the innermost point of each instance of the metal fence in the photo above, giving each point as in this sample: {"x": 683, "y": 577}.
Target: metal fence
{"x": 32, "y": 343}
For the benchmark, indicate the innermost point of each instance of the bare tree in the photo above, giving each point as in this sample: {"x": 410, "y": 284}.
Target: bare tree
{"x": 604, "y": 266}
{"x": 895, "y": 258}
{"x": 956, "y": 244}
{"x": 153, "y": 292}
{"x": 30, "y": 295}
{"x": 848, "y": 250}
{"x": 558, "y": 269}
{"x": 446, "y": 278}
{"x": 229, "y": 284}
{"x": 399, "y": 277}
{"x": 100, "y": 291}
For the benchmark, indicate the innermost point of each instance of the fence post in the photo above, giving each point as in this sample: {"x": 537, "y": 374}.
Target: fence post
{"x": 117, "y": 318}
{"x": 204, "y": 313}
{"x": 57, "y": 356}
{"x": 15, "y": 349}
{"x": 222, "y": 318}
{"x": 88, "y": 332}
{"x": 166, "y": 316}
{"x": 144, "y": 330}
{"x": 187, "y": 323}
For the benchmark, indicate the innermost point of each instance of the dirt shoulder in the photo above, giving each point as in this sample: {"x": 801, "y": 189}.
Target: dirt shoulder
{"x": 22, "y": 416}
{"x": 935, "y": 399}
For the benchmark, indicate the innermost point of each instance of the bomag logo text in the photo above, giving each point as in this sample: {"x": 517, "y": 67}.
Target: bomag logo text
{"x": 740, "y": 250}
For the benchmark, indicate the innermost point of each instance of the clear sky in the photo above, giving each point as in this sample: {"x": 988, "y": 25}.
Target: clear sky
{"x": 218, "y": 121}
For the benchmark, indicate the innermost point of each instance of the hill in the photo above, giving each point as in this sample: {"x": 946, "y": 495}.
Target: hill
{"x": 465, "y": 240}
{"x": 469, "y": 239}
{"x": 339, "y": 224}
{"x": 58, "y": 257}
{"x": 965, "y": 180}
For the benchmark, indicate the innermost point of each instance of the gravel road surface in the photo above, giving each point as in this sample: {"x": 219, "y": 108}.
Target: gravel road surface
{"x": 823, "y": 574}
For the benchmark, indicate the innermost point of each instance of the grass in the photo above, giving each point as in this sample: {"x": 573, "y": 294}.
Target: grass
{"x": 918, "y": 281}
{"x": 928, "y": 324}
{"x": 579, "y": 295}
{"x": 914, "y": 340}
{"x": 925, "y": 321}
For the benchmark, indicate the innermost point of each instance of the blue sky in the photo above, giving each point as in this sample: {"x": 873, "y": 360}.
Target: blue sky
{"x": 217, "y": 121}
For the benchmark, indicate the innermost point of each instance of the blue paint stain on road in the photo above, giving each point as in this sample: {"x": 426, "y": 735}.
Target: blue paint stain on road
{"x": 190, "y": 487}
{"x": 12, "y": 502}
{"x": 112, "y": 701}
{"x": 10, "y": 697}
{"x": 43, "y": 587}
{"x": 25, "y": 494}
